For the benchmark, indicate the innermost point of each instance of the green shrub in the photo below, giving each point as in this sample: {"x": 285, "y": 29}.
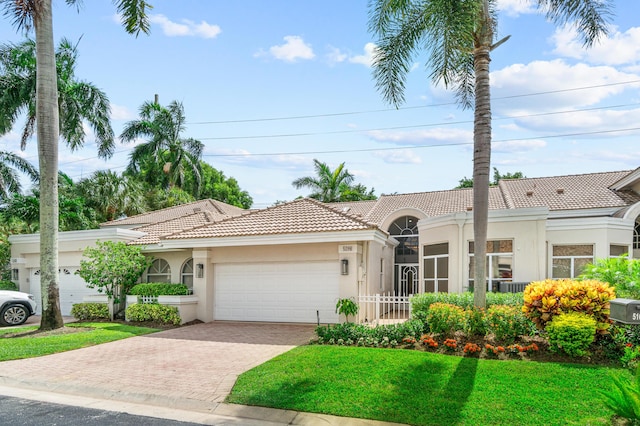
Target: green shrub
{"x": 420, "y": 303}
{"x": 90, "y": 311}
{"x": 154, "y": 312}
{"x": 364, "y": 335}
{"x": 8, "y": 285}
{"x": 475, "y": 324}
{"x": 571, "y": 333}
{"x": 621, "y": 273}
{"x": 624, "y": 397}
{"x": 507, "y": 322}
{"x": 445, "y": 318}
{"x": 159, "y": 289}
{"x": 347, "y": 307}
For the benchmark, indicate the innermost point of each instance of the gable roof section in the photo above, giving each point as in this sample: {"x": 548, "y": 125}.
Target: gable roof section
{"x": 295, "y": 217}
{"x": 156, "y": 231}
{"x": 588, "y": 191}
{"x": 217, "y": 209}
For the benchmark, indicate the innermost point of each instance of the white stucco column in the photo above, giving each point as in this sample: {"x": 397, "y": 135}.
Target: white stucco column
{"x": 203, "y": 284}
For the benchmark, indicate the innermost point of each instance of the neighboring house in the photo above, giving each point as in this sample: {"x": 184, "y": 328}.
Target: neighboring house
{"x": 291, "y": 262}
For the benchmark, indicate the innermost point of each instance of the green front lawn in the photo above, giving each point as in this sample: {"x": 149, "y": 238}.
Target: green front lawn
{"x": 72, "y": 336}
{"x": 423, "y": 388}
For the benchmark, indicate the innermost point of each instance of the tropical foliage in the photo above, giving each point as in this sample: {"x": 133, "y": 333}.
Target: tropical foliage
{"x": 165, "y": 158}
{"x": 333, "y": 185}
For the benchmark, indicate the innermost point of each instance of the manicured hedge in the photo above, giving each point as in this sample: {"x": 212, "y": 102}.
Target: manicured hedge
{"x": 420, "y": 302}
{"x": 90, "y": 311}
{"x": 153, "y": 312}
{"x": 8, "y": 285}
{"x": 159, "y": 289}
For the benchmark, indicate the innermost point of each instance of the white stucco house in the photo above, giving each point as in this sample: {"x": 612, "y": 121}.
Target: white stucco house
{"x": 291, "y": 262}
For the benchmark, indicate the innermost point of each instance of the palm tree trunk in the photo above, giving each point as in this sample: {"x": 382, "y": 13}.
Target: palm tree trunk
{"x": 48, "y": 135}
{"x": 481, "y": 169}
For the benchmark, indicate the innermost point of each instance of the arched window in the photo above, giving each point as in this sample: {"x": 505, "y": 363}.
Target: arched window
{"x": 636, "y": 236}
{"x": 186, "y": 275}
{"x": 405, "y": 230}
{"x": 159, "y": 272}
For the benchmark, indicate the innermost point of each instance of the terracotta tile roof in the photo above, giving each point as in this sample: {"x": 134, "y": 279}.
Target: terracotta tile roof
{"x": 295, "y": 217}
{"x": 157, "y": 230}
{"x": 588, "y": 191}
{"x": 218, "y": 209}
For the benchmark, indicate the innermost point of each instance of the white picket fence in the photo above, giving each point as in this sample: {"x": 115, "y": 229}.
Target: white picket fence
{"x": 383, "y": 308}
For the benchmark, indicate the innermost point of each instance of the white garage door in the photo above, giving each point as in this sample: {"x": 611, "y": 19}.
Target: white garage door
{"x": 72, "y": 289}
{"x": 276, "y": 292}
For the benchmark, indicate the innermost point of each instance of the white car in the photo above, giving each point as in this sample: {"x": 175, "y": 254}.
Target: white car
{"x": 15, "y": 307}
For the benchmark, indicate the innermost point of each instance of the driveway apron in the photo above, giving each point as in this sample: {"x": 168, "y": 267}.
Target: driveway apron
{"x": 191, "y": 367}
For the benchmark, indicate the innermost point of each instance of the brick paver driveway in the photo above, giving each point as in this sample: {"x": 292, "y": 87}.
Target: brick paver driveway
{"x": 189, "y": 367}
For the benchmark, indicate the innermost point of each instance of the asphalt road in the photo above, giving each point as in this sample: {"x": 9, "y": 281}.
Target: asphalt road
{"x": 24, "y": 412}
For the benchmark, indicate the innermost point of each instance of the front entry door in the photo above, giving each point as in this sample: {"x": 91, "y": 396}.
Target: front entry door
{"x": 407, "y": 279}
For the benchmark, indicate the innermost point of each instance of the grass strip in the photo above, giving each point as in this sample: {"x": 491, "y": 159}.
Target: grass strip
{"x": 421, "y": 388}
{"x": 72, "y": 336}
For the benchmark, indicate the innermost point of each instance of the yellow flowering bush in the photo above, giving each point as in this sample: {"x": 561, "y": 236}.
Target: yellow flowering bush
{"x": 545, "y": 299}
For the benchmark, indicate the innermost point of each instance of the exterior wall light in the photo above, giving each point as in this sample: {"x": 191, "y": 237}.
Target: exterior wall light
{"x": 345, "y": 267}
{"x": 199, "y": 270}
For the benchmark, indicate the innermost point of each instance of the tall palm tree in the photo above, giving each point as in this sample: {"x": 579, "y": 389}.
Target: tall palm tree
{"x": 37, "y": 14}
{"x": 166, "y": 154}
{"x": 327, "y": 185}
{"x": 10, "y": 163}
{"x": 113, "y": 195}
{"x": 78, "y": 101}
{"x": 459, "y": 37}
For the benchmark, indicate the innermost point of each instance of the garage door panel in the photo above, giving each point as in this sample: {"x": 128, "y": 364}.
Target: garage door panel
{"x": 72, "y": 289}
{"x": 278, "y": 292}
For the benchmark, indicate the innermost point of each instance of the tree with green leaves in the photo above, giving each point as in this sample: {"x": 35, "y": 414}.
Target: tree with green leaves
{"x": 78, "y": 101}
{"x": 216, "y": 186}
{"x": 10, "y": 165}
{"x": 166, "y": 157}
{"x": 331, "y": 186}
{"x": 113, "y": 268}
{"x": 37, "y": 15}
{"x": 459, "y": 37}
{"x": 465, "y": 182}
{"x": 113, "y": 195}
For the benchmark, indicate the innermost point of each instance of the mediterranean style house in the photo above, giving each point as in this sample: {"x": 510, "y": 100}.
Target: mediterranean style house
{"x": 293, "y": 261}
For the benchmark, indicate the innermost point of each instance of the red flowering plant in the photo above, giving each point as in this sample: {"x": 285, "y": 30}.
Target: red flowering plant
{"x": 428, "y": 341}
{"x": 494, "y": 350}
{"x": 409, "y": 341}
{"x": 471, "y": 349}
{"x": 451, "y": 344}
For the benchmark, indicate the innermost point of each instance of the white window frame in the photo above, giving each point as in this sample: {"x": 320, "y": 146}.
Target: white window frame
{"x": 159, "y": 270}
{"x": 572, "y": 258}
{"x": 489, "y": 265}
{"x": 184, "y": 274}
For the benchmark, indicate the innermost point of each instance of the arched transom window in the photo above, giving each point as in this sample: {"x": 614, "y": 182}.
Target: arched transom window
{"x": 405, "y": 230}
{"x": 159, "y": 272}
{"x": 186, "y": 275}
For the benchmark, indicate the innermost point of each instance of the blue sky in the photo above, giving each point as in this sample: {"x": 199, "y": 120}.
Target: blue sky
{"x": 268, "y": 86}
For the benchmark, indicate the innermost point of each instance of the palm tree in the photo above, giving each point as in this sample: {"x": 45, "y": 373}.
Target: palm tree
{"x": 113, "y": 195}
{"x": 78, "y": 101}
{"x": 9, "y": 179}
{"x": 37, "y": 14}
{"x": 327, "y": 185}
{"x": 459, "y": 37}
{"x": 166, "y": 155}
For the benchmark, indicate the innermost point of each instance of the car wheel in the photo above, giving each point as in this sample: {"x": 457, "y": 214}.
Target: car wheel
{"x": 14, "y": 315}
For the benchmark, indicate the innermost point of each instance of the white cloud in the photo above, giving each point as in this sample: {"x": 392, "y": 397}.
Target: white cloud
{"x": 367, "y": 57}
{"x": 293, "y": 49}
{"x": 553, "y": 78}
{"x": 436, "y": 137}
{"x": 246, "y": 158}
{"x": 620, "y": 48}
{"x": 185, "y": 27}
{"x": 403, "y": 156}
{"x": 335, "y": 55}
{"x": 119, "y": 112}
{"x": 516, "y": 7}
{"x": 517, "y": 146}
{"x": 584, "y": 122}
